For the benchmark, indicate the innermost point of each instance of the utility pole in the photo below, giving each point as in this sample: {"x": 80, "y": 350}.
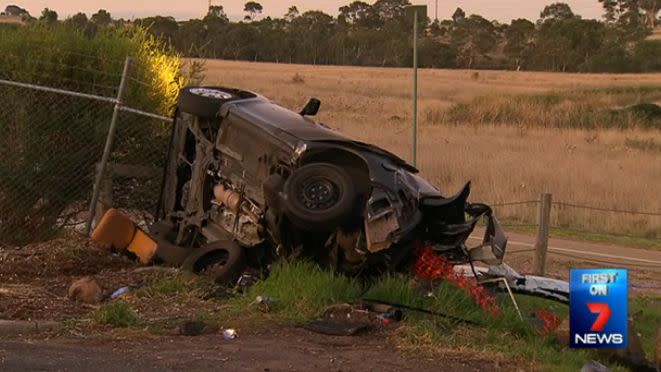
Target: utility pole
{"x": 415, "y": 11}
{"x": 436, "y": 12}
{"x": 415, "y": 88}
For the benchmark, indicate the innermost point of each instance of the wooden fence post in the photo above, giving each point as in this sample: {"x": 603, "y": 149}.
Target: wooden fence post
{"x": 542, "y": 241}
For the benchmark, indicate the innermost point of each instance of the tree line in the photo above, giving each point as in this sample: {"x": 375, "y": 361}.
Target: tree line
{"x": 380, "y": 34}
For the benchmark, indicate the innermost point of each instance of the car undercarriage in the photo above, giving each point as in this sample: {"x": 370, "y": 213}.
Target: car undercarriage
{"x": 248, "y": 182}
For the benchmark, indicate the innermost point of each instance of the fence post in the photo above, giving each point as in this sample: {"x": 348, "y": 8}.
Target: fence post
{"x": 105, "y": 198}
{"x": 108, "y": 146}
{"x": 542, "y": 241}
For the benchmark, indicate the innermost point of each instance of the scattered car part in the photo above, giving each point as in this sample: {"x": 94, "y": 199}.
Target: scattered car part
{"x": 245, "y": 281}
{"x": 549, "y": 288}
{"x": 123, "y": 235}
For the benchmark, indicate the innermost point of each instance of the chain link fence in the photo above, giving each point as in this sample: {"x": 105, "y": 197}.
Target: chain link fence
{"x": 51, "y": 145}
{"x": 135, "y": 169}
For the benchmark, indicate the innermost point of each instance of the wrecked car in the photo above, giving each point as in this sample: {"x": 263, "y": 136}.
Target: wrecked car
{"x": 248, "y": 181}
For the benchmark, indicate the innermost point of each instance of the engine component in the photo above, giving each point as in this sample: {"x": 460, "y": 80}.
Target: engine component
{"x": 231, "y": 199}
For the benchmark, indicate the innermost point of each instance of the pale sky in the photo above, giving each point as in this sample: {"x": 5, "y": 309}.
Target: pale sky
{"x": 502, "y": 10}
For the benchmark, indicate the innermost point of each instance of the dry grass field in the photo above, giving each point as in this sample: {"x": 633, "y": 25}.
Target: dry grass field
{"x": 526, "y": 149}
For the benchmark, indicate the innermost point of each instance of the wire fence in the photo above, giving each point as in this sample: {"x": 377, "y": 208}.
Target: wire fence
{"x": 584, "y": 219}
{"x": 54, "y": 129}
{"x": 51, "y": 144}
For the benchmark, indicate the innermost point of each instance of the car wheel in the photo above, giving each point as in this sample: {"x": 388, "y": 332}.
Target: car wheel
{"x": 204, "y": 101}
{"x": 224, "y": 260}
{"x": 319, "y": 197}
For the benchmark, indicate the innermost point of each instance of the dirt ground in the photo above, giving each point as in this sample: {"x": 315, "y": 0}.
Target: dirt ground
{"x": 277, "y": 348}
{"x": 34, "y": 282}
{"x": 34, "y": 279}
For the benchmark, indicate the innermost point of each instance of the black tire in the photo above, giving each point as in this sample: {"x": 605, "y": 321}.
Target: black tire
{"x": 204, "y": 101}
{"x": 319, "y": 197}
{"x": 163, "y": 233}
{"x": 224, "y": 260}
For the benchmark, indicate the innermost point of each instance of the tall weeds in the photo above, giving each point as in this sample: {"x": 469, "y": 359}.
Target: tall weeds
{"x": 617, "y": 107}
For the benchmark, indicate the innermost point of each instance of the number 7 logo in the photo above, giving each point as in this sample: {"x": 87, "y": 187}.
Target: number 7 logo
{"x": 604, "y": 312}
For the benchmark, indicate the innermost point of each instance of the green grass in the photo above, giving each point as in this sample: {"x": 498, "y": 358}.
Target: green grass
{"x": 301, "y": 291}
{"x": 647, "y": 314}
{"x": 117, "y": 314}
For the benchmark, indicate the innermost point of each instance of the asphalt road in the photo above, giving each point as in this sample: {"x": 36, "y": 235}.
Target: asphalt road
{"x": 589, "y": 252}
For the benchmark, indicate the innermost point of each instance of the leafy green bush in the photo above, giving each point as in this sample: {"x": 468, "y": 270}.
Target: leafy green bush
{"x": 647, "y": 55}
{"x": 50, "y": 142}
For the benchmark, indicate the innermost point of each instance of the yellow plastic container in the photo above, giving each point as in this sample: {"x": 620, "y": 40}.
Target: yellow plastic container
{"x": 114, "y": 229}
{"x": 143, "y": 247}
{"x": 122, "y": 234}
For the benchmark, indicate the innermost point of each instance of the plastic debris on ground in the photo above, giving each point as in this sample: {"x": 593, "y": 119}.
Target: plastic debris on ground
{"x": 230, "y": 334}
{"x": 264, "y": 303}
{"x": 119, "y": 292}
{"x": 245, "y": 281}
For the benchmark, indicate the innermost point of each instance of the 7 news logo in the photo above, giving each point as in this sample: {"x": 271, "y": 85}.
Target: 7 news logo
{"x": 598, "y": 308}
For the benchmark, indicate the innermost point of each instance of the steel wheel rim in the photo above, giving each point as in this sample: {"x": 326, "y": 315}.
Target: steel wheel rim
{"x": 319, "y": 194}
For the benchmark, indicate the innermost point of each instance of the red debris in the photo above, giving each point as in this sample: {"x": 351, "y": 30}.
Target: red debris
{"x": 550, "y": 321}
{"x": 431, "y": 266}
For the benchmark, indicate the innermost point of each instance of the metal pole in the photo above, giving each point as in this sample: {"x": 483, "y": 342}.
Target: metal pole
{"x": 108, "y": 147}
{"x": 436, "y": 11}
{"x": 415, "y": 88}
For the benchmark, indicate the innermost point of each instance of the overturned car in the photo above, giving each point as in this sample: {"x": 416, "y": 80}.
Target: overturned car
{"x": 248, "y": 181}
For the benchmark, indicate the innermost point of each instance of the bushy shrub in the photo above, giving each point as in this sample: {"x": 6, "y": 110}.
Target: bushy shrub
{"x": 49, "y": 143}
{"x": 647, "y": 56}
